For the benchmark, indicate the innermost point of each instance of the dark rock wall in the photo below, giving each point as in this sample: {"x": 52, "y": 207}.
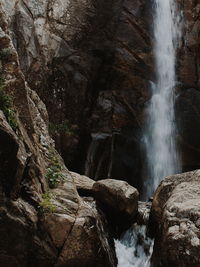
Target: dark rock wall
{"x": 92, "y": 64}
{"x": 188, "y": 96}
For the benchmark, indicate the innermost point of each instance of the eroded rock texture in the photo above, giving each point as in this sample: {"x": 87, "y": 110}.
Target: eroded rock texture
{"x": 39, "y": 226}
{"x": 176, "y": 213}
{"x": 91, "y": 62}
{"x": 188, "y": 97}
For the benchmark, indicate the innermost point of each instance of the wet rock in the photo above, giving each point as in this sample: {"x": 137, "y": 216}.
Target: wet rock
{"x": 143, "y": 212}
{"x": 118, "y": 200}
{"x": 175, "y": 213}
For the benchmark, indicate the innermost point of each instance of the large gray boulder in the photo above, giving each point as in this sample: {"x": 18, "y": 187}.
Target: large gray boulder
{"x": 176, "y": 217}
{"x": 118, "y": 200}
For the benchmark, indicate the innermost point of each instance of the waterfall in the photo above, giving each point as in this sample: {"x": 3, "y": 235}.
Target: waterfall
{"x": 162, "y": 155}
{"x": 160, "y": 141}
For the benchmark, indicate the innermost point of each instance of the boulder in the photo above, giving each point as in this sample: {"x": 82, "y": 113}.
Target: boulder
{"x": 175, "y": 216}
{"x": 119, "y": 201}
{"x": 83, "y": 184}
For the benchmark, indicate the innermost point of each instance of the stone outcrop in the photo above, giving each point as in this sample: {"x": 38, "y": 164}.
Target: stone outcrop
{"x": 119, "y": 201}
{"x": 80, "y": 237}
{"x": 89, "y": 243}
{"x": 41, "y": 213}
{"x": 175, "y": 214}
{"x": 84, "y": 184}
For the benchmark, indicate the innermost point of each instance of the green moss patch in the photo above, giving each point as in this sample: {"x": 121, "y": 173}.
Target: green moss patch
{"x": 46, "y": 205}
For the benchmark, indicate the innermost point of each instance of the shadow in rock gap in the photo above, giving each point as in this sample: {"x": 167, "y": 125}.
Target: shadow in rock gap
{"x": 116, "y": 155}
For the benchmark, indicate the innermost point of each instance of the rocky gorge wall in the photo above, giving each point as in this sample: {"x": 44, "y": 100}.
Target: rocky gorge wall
{"x": 43, "y": 220}
{"x": 91, "y": 63}
{"x": 94, "y": 62}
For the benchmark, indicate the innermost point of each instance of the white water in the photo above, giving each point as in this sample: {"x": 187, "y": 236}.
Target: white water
{"x": 134, "y": 248}
{"x": 162, "y": 155}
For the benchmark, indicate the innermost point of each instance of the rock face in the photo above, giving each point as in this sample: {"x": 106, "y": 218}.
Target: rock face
{"x": 94, "y": 60}
{"x": 188, "y": 97}
{"x": 41, "y": 213}
{"x": 91, "y": 62}
{"x": 176, "y": 213}
{"x": 89, "y": 243}
{"x": 118, "y": 200}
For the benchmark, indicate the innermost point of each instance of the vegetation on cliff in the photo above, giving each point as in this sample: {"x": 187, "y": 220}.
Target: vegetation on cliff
{"x": 6, "y": 105}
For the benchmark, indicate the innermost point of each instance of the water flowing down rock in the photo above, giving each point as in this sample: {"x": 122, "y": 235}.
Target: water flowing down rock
{"x": 134, "y": 248}
{"x": 161, "y": 148}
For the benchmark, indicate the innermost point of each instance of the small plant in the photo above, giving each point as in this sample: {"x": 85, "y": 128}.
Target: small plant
{"x": 60, "y": 128}
{"x": 54, "y": 174}
{"x": 6, "y": 105}
{"x": 46, "y": 205}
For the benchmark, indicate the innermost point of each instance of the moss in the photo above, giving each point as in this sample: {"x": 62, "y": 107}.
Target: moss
{"x": 46, "y": 205}
{"x": 6, "y": 105}
{"x": 54, "y": 174}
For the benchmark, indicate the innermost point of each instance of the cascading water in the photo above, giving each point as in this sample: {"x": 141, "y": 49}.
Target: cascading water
{"x": 162, "y": 155}
{"x": 135, "y": 248}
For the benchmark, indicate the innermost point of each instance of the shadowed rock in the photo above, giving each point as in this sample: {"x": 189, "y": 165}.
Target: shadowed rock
{"x": 83, "y": 184}
{"x": 118, "y": 200}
